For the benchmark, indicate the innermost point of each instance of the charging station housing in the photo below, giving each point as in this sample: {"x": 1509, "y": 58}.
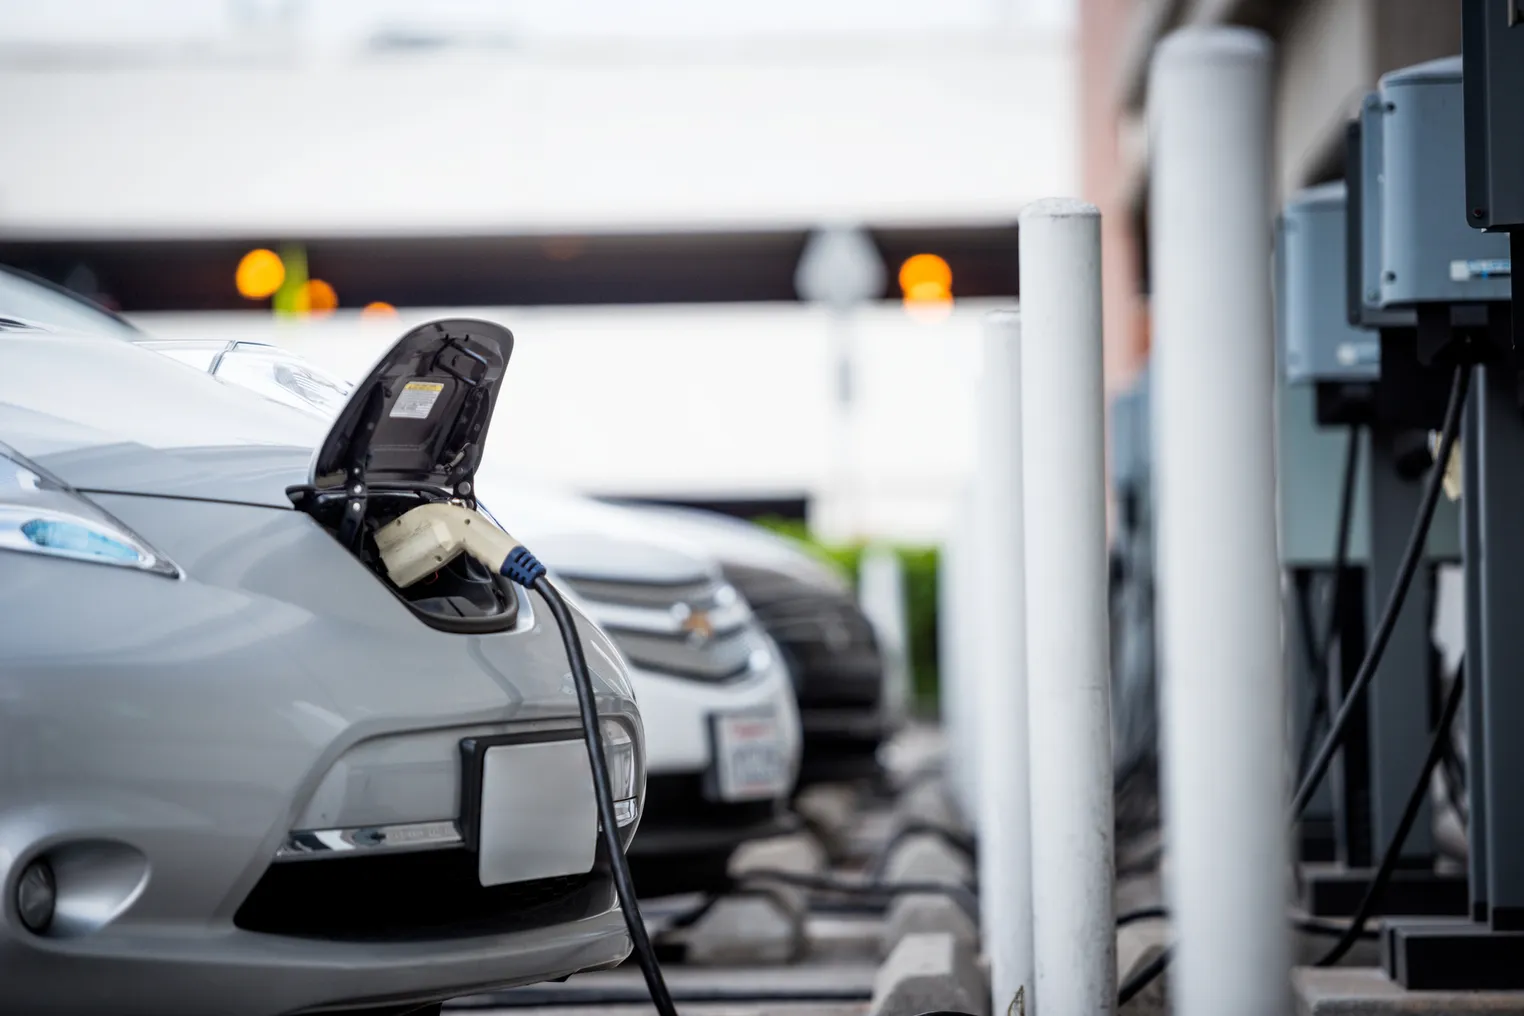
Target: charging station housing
{"x": 1429, "y": 253}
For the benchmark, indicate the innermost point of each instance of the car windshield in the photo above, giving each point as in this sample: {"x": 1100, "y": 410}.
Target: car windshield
{"x": 36, "y": 302}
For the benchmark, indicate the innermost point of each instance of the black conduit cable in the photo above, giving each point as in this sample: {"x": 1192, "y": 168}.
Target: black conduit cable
{"x": 961, "y": 842}
{"x": 1319, "y": 650}
{"x": 1142, "y": 914}
{"x": 1393, "y": 853}
{"x": 1143, "y": 977}
{"x": 961, "y": 895}
{"x": 1310, "y": 925}
{"x": 1318, "y": 714}
{"x": 1412, "y": 554}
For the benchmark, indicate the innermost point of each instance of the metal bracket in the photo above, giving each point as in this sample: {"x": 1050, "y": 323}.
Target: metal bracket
{"x": 350, "y": 526}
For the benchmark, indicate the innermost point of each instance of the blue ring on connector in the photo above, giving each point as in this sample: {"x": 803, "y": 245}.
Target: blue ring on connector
{"x": 522, "y": 567}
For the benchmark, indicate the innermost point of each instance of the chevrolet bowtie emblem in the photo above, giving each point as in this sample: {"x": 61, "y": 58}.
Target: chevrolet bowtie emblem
{"x": 698, "y": 626}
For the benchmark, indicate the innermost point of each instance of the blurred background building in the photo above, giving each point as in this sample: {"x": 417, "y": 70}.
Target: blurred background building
{"x": 1329, "y": 54}
{"x": 629, "y": 187}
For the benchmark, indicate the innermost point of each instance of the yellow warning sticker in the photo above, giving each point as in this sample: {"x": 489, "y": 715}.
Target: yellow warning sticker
{"x": 417, "y": 400}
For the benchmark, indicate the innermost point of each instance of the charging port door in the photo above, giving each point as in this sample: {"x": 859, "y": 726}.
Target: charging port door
{"x": 419, "y": 419}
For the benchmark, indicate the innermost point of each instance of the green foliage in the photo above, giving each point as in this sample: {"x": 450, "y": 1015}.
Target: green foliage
{"x": 920, "y": 570}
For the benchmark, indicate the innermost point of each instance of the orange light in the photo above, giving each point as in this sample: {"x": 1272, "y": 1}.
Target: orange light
{"x": 316, "y": 297}
{"x": 260, "y": 273}
{"x": 378, "y": 309}
{"x": 926, "y": 278}
{"x": 927, "y": 292}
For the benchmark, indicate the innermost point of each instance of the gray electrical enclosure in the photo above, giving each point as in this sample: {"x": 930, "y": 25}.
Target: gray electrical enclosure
{"x": 1130, "y": 437}
{"x": 1365, "y": 202}
{"x": 1428, "y": 251}
{"x": 1493, "y": 36}
{"x": 1310, "y": 476}
{"x": 1316, "y": 340}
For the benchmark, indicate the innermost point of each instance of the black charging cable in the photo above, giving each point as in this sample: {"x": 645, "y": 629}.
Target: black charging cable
{"x": 1318, "y": 650}
{"x": 1410, "y": 811}
{"x": 1412, "y": 554}
{"x": 526, "y": 570}
{"x": 523, "y": 568}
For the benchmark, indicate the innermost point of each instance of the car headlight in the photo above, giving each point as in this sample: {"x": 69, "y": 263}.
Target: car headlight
{"x": 619, "y": 755}
{"x": 41, "y": 515}
{"x": 283, "y": 377}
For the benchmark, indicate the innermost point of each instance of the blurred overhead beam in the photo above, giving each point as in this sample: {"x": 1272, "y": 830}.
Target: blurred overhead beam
{"x": 164, "y": 275}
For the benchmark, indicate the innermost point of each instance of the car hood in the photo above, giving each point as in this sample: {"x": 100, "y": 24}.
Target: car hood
{"x": 742, "y": 544}
{"x": 580, "y": 538}
{"x": 104, "y": 415}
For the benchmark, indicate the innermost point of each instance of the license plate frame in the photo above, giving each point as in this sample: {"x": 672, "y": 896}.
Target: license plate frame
{"x": 730, "y": 733}
{"x": 525, "y": 829}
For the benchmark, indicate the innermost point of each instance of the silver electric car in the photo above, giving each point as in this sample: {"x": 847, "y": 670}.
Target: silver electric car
{"x": 723, "y": 739}
{"x": 240, "y": 772}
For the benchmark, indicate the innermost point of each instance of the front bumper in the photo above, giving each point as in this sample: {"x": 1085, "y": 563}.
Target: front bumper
{"x": 167, "y": 738}
{"x": 680, "y": 818}
{"x": 677, "y": 712}
{"x": 190, "y": 971}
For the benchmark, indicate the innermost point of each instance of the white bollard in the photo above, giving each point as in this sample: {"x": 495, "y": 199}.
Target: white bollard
{"x": 1213, "y": 371}
{"x": 881, "y": 594}
{"x": 955, "y": 638}
{"x": 1005, "y": 870}
{"x": 1068, "y": 632}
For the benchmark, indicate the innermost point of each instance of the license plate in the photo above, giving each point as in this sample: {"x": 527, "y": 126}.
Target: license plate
{"x": 535, "y": 814}
{"x": 749, "y": 761}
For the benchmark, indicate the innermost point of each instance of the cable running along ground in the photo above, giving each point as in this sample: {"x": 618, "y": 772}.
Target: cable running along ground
{"x": 1404, "y": 827}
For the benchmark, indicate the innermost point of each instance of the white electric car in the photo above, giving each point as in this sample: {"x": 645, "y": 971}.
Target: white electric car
{"x": 723, "y": 733}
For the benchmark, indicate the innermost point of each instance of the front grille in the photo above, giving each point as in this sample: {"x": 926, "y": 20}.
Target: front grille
{"x": 695, "y": 630}
{"x": 657, "y": 595}
{"x": 828, "y": 642}
{"x": 720, "y": 659}
{"x": 426, "y": 895}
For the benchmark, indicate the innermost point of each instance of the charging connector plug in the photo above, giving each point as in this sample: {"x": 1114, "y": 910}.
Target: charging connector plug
{"x": 419, "y": 542}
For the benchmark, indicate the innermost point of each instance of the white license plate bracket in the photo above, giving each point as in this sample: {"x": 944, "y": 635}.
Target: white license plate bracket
{"x": 527, "y": 807}
{"x": 749, "y": 759}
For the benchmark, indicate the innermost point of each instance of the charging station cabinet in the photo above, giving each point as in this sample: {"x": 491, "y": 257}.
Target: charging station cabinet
{"x": 1336, "y": 335}
{"x": 1429, "y": 253}
{"x": 1492, "y": 32}
{"x": 1317, "y": 341}
{"x": 1363, "y": 181}
{"x": 1130, "y": 437}
{"x": 1317, "y": 345}
{"x": 1487, "y": 950}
